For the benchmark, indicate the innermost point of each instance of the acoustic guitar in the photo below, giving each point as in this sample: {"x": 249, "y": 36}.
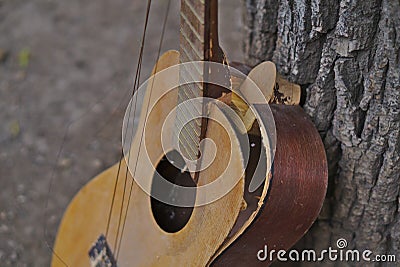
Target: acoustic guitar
{"x": 201, "y": 183}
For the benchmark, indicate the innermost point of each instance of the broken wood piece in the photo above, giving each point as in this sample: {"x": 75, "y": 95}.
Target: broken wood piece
{"x": 285, "y": 92}
{"x": 262, "y": 77}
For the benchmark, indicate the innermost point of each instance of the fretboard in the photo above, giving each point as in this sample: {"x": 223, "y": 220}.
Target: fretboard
{"x": 193, "y": 37}
{"x": 192, "y": 32}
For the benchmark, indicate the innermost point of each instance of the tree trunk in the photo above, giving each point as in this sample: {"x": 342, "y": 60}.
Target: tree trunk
{"x": 346, "y": 57}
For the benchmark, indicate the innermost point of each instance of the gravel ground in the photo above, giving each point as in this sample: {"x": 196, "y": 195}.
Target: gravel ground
{"x": 65, "y": 72}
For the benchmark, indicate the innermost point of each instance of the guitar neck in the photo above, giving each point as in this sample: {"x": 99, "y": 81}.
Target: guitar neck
{"x": 193, "y": 30}
{"x": 197, "y": 36}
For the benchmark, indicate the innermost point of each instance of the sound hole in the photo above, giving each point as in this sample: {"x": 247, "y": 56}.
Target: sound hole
{"x": 172, "y": 218}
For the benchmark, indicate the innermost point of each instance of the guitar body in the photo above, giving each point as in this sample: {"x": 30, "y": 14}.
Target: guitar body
{"x": 292, "y": 196}
{"x": 144, "y": 242}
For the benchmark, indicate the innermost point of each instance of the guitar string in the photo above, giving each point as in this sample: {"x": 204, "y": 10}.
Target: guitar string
{"x": 134, "y": 88}
{"x": 147, "y": 109}
{"x": 119, "y": 167}
{"x": 57, "y": 158}
{"x": 127, "y": 168}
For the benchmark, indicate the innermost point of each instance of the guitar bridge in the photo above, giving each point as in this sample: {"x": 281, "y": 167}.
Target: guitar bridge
{"x": 100, "y": 254}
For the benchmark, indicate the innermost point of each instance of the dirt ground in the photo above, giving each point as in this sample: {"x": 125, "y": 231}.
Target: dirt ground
{"x": 66, "y": 69}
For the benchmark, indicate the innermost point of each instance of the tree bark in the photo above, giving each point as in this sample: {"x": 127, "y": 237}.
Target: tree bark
{"x": 346, "y": 57}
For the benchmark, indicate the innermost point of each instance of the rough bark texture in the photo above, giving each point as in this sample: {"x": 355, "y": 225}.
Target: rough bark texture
{"x": 346, "y": 56}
